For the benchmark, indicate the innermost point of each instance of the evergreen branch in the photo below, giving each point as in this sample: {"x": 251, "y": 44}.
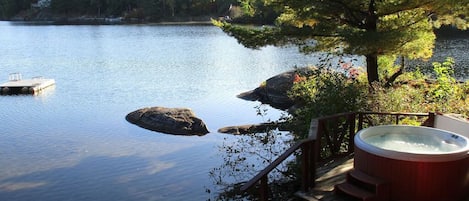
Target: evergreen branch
{"x": 355, "y": 21}
{"x": 403, "y": 9}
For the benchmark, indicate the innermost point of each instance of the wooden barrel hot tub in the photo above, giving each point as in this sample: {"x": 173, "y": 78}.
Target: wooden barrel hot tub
{"x": 419, "y": 163}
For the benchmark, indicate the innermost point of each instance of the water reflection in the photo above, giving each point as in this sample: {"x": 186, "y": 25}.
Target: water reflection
{"x": 86, "y": 178}
{"x": 111, "y": 176}
{"x": 247, "y": 156}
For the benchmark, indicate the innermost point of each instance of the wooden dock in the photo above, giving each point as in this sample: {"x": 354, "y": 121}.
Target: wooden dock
{"x": 18, "y": 85}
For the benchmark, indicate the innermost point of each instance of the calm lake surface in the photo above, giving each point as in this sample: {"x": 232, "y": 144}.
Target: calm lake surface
{"x": 73, "y": 142}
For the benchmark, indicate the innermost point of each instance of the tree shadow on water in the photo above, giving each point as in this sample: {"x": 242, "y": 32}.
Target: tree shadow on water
{"x": 94, "y": 178}
{"x": 247, "y": 155}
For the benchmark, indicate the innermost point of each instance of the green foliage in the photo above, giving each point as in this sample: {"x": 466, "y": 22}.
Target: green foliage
{"x": 418, "y": 93}
{"x": 369, "y": 28}
{"x": 9, "y": 8}
{"x": 326, "y": 92}
{"x": 443, "y": 89}
{"x": 402, "y": 98}
{"x": 387, "y": 66}
{"x": 455, "y": 15}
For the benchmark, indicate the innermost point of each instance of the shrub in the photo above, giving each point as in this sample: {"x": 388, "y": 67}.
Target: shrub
{"x": 325, "y": 92}
{"x": 417, "y": 93}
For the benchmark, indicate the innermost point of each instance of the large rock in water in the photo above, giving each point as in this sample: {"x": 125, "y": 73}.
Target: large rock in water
{"x": 178, "y": 121}
{"x": 274, "y": 91}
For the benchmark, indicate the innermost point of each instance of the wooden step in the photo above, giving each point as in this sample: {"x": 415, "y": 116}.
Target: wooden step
{"x": 354, "y": 191}
{"x": 364, "y": 178}
{"x": 378, "y": 186}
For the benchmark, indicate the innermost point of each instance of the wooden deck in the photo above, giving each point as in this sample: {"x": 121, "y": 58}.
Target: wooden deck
{"x": 17, "y": 85}
{"x": 328, "y": 176}
{"x": 330, "y": 140}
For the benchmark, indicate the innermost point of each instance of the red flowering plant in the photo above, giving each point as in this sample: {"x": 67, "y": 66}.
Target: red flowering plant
{"x": 349, "y": 69}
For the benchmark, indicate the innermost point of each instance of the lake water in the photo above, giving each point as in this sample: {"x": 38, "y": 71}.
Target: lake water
{"x": 73, "y": 142}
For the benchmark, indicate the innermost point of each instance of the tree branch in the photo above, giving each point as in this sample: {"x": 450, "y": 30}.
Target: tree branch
{"x": 405, "y": 9}
{"x": 356, "y": 21}
{"x": 393, "y": 78}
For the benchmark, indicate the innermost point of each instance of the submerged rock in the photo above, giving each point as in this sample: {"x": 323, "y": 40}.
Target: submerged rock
{"x": 245, "y": 129}
{"x": 252, "y": 128}
{"x": 177, "y": 121}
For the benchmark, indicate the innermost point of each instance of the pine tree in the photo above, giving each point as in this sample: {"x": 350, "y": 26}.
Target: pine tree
{"x": 362, "y": 27}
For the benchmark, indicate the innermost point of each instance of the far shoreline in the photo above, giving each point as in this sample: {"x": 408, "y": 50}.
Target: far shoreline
{"x": 443, "y": 32}
{"x": 100, "y": 22}
{"x": 120, "y": 20}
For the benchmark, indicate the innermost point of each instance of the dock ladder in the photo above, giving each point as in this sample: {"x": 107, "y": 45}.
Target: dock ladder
{"x": 15, "y": 77}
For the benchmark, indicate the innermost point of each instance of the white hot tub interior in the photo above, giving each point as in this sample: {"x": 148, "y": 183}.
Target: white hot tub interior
{"x": 417, "y": 143}
{"x": 412, "y": 143}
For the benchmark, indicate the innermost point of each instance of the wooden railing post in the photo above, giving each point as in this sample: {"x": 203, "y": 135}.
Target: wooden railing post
{"x": 431, "y": 119}
{"x": 264, "y": 188}
{"x": 360, "y": 120}
{"x": 310, "y": 154}
{"x": 352, "y": 121}
{"x": 308, "y": 166}
{"x": 313, "y": 160}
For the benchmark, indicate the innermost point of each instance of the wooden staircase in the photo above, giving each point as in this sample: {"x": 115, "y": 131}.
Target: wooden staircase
{"x": 363, "y": 187}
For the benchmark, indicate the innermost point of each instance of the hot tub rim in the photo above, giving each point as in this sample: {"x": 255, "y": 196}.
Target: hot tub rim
{"x": 407, "y": 156}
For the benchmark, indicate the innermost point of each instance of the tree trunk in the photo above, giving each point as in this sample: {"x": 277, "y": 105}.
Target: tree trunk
{"x": 372, "y": 68}
{"x": 371, "y": 23}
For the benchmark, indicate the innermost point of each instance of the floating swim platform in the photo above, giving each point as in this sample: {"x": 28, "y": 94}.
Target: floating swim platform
{"x": 17, "y": 85}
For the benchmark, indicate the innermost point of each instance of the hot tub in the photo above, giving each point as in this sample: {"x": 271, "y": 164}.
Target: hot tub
{"x": 419, "y": 163}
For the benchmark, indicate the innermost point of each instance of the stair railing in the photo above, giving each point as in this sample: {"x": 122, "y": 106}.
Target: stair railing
{"x": 329, "y": 138}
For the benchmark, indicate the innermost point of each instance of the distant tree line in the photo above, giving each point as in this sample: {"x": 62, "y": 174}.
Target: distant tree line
{"x": 9, "y": 8}
{"x": 152, "y": 10}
